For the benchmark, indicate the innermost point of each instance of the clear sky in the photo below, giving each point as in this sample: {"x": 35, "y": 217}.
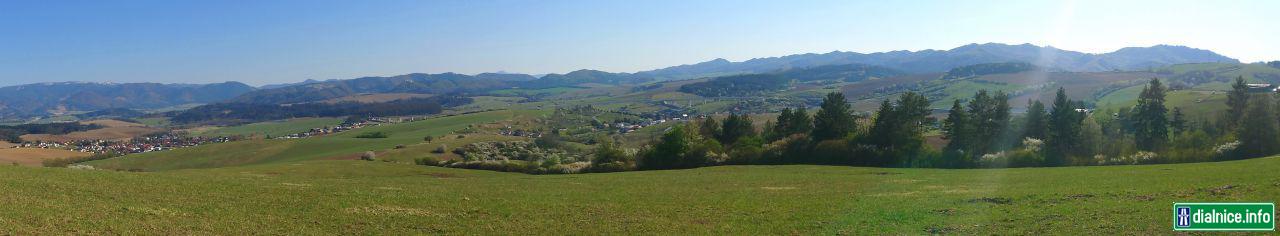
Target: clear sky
{"x": 276, "y": 41}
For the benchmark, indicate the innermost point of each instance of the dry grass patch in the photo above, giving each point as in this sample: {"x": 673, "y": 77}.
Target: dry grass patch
{"x": 112, "y": 130}
{"x": 34, "y": 156}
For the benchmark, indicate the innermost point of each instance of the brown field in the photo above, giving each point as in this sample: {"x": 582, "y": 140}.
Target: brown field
{"x": 33, "y": 156}
{"x": 377, "y": 97}
{"x": 4, "y": 144}
{"x": 113, "y": 130}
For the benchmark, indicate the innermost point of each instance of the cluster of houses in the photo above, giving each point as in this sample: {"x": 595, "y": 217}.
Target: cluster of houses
{"x": 327, "y": 130}
{"x": 519, "y": 133}
{"x": 624, "y": 127}
{"x": 152, "y": 143}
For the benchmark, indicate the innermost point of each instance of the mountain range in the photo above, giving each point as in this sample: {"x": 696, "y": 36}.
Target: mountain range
{"x": 65, "y": 97}
{"x": 929, "y": 61}
{"x": 58, "y": 98}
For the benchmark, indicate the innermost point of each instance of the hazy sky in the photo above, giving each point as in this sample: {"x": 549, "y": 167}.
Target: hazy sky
{"x": 262, "y": 42}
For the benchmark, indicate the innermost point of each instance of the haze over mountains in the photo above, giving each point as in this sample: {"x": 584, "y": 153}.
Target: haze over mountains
{"x": 925, "y": 61}
{"x": 58, "y": 98}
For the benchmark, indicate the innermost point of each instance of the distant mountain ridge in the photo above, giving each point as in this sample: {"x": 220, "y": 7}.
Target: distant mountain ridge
{"x": 930, "y": 61}
{"x": 421, "y": 83}
{"x": 57, "y": 98}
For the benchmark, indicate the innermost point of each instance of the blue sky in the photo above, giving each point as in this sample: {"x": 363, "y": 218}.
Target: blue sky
{"x": 264, "y": 42}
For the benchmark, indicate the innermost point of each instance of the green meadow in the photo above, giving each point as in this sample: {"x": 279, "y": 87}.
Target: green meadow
{"x": 261, "y": 151}
{"x": 360, "y": 197}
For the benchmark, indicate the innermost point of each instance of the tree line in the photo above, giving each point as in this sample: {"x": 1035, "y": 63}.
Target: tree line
{"x": 980, "y": 132}
{"x": 12, "y": 133}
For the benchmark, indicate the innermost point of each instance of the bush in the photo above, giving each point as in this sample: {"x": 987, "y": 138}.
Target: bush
{"x": 399, "y": 146}
{"x": 428, "y": 139}
{"x": 441, "y": 149}
{"x": 427, "y": 161}
{"x": 372, "y": 135}
{"x": 369, "y": 156}
{"x": 64, "y": 162}
{"x": 616, "y": 166}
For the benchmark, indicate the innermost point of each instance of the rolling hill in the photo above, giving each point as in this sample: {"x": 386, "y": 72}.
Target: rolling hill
{"x": 66, "y": 98}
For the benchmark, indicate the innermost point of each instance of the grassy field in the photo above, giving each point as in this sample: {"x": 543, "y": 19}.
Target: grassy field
{"x": 357, "y": 197}
{"x": 273, "y": 128}
{"x": 33, "y": 156}
{"x": 337, "y": 146}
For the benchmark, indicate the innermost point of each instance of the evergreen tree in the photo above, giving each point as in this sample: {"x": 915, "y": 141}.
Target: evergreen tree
{"x": 782, "y": 127}
{"x": 801, "y": 122}
{"x": 834, "y": 119}
{"x": 956, "y": 130}
{"x": 791, "y": 122}
{"x": 1237, "y": 102}
{"x": 1177, "y": 122}
{"x": 1151, "y": 123}
{"x": 1034, "y": 125}
{"x": 709, "y": 127}
{"x": 989, "y": 118}
{"x": 735, "y": 127}
{"x": 1258, "y": 132}
{"x": 1064, "y": 129}
{"x": 1002, "y": 135}
{"x": 897, "y": 129}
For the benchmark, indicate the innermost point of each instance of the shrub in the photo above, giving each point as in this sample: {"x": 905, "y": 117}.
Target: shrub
{"x": 441, "y": 149}
{"x": 64, "y": 162}
{"x": 399, "y": 146}
{"x": 428, "y": 139}
{"x": 616, "y": 166}
{"x": 372, "y": 135}
{"x": 369, "y": 156}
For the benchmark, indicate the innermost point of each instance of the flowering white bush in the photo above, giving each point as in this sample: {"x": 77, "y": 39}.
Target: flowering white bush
{"x": 1137, "y": 158}
{"x": 1032, "y": 144}
{"x": 1226, "y": 147}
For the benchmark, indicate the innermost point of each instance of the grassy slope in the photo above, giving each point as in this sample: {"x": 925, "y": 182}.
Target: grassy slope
{"x": 348, "y": 197}
{"x": 277, "y": 150}
{"x": 274, "y": 128}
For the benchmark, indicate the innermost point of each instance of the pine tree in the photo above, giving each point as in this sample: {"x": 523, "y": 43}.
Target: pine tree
{"x": 1064, "y": 130}
{"x": 781, "y": 127}
{"x": 791, "y": 122}
{"x": 989, "y": 118}
{"x": 1258, "y": 132}
{"x": 1035, "y": 126}
{"x": 801, "y": 122}
{"x": 1237, "y": 102}
{"x": 956, "y": 130}
{"x": 897, "y": 128}
{"x": 1177, "y": 122}
{"x": 735, "y": 127}
{"x": 1151, "y": 124}
{"x": 709, "y": 128}
{"x": 834, "y": 119}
